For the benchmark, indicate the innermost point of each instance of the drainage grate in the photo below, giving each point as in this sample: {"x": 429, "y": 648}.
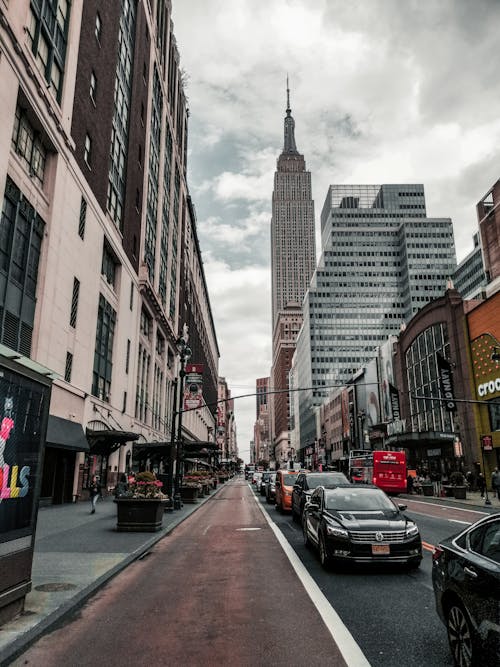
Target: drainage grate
{"x": 53, "y": 588}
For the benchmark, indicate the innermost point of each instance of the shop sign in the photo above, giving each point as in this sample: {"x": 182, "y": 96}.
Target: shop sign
{"x": 446, "y": 382}
{"x": 487, "y": 443}
{"x": 193, "y": 387}
{"x": 434, "y": 452}
{"x": 397, "y": 426}
{"x": 491, "y": 387}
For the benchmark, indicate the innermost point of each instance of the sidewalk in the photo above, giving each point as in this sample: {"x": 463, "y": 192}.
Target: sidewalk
{"x": 473, "y": 499}
{"x": 75, "y": 554}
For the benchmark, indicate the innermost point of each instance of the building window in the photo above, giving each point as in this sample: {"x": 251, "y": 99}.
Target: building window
{"x": 68, "y": 367}
{"x": 87, "y": 153}
{"x": 98, "y": 27}
{"x": 131, "y": 301}
{"x": 109, "y": 264}
{"x": 127, "y": 358}
{"x": 27, "y": 143}
{"x": 48, "y": 35}
{"x": 74, "y": 302}
{"x": 93, "y": 86}
{"x": 103, "y": 355}
{"x": 83, "y": 217}
{"x": 21, "y": 235}
{"x": 146, "y": 325}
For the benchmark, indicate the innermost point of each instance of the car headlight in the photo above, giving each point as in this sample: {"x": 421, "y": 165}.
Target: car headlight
{"x": 412, "y": 530}
{"x": 336, "y": 531}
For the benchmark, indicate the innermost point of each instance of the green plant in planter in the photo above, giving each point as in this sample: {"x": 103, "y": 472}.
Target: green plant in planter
{"x": 457, "y": 479}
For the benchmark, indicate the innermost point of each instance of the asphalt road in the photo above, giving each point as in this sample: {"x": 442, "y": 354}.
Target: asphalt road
{"x": 219, "y": 590}
{"x": 390, "y": 613}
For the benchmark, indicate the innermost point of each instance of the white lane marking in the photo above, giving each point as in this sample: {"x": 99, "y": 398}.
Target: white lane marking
{"x": 445, "y": 507}
{"x": 246, "y": 529}
{"x": 351, "y": 652}
{"x": 206, "y": 529}
{"x": 466, "y": 523}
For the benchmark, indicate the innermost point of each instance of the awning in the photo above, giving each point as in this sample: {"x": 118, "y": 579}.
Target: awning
{"x": 144, "y": 450}
{"x": 106, "y": 441}
{"x": 66, "y": 434}
{"x": 198, "y": 462}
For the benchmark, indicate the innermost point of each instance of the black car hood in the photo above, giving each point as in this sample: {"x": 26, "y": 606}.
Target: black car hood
{"x": 372, "y": 520}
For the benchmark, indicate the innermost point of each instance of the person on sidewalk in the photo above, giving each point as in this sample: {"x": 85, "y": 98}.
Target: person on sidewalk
{"x": 94, "y": 492}
{"x": 481, "y": 484}
{"x": 121, "y": 487}
{"x": 495, "y": 482}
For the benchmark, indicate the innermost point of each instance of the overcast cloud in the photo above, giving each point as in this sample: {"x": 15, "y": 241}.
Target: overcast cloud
{"x": 382, "y": 91}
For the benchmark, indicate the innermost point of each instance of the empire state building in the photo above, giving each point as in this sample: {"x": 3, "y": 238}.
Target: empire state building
{"x": 292, "y": 225}
{"x": 293, "y": 261}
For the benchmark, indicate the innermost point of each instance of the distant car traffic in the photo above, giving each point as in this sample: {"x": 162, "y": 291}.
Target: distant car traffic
{"x": 305, "y": 484}
{"x": 262, "y": 484}
{"x": 256, "y": 477}
{"x": 359, "y": 523}
{"x": 285, "y": 480}
{"x": 270, "y": 488}
{"x": 466, "y": 580}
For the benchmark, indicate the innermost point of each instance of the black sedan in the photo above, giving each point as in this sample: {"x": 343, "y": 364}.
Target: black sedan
{"x": 466, "y": 580}
{"x": 305, "y": 484}
{"x": 359, "y": 523}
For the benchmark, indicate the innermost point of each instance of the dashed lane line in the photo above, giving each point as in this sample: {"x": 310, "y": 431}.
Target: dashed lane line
{"x": 351, "y": 652}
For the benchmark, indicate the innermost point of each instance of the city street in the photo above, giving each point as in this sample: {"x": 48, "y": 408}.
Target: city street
{"x": 179, "y": 606}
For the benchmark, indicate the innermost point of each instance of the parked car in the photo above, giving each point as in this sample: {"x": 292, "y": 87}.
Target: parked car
{"x": 305, "y": 484}
{"x": 466, "y": 581}
{"x": 359, "y": 523}
{"x": 270, "y": 488}
{"x": 284, "y": 485}
{"x": 262, "y": 485}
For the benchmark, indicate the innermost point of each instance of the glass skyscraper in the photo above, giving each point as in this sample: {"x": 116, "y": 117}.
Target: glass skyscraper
{"x": 382, "y": 260}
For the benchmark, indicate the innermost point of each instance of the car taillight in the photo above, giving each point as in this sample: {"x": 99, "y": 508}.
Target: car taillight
{"x": 437, "y": 553}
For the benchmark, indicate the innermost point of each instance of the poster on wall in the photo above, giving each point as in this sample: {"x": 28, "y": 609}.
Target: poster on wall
{"x": 24, "y": 406}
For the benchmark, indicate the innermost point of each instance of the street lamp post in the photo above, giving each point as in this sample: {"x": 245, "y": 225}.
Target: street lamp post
{"x": 184, "y": 355}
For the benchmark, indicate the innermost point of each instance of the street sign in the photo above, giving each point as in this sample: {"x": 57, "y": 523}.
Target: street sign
{"x": 487, "y": 443}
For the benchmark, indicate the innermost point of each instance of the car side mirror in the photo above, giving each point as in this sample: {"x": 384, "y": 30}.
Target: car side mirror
{"x": 297, "y": 487}
{"x": 402, "y": 508}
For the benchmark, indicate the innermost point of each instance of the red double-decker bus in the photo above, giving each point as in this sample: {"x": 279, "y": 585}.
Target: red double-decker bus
{"x": 385, "y": 469}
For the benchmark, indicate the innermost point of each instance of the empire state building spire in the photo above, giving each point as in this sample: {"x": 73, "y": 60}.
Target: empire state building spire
{"x": 289, "y": 146}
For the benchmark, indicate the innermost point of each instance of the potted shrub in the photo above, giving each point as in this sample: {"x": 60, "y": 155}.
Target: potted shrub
{"x": 457, "y": 481}
{"x": 140, "y": 508}
{"x": 190, "y": 489}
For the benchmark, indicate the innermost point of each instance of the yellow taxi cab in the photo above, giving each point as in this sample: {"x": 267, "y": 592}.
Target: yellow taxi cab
{"x": 285, "y": 479}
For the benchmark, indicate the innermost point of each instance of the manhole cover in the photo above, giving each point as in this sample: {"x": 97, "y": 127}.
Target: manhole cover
{"x": 53, "y": 588}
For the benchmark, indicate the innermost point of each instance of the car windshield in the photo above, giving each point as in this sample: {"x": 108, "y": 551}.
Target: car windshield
{"x": 289, "y": 480}
{"x": 357, "y": 499}
{"x": 326, "y": 479}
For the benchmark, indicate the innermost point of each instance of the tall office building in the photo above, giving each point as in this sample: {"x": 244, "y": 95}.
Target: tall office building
{"x": 100, "y": 268}
{"x": 293, "y": 259}
{"x": 382, "y": 260}
{"x": 293, "y": 252}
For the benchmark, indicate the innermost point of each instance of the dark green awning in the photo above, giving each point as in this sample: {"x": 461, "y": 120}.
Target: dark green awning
{"x": 66, "y": 434}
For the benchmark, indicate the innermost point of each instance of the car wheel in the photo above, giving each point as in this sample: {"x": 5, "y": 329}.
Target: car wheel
{"x": 460, "y": 636}
{"x": 324, "y": 558}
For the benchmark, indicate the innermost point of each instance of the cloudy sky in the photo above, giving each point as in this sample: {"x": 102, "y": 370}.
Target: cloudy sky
{"x": 382, "y": 91}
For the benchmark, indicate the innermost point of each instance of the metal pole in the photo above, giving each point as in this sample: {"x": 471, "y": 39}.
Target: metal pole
{"x": 170, "y": 477}
{"x": 178, "y": 462}
{"x": 487, "y": 500}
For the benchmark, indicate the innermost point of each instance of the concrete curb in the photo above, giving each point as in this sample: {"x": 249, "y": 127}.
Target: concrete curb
{"x": 50, "y": 622}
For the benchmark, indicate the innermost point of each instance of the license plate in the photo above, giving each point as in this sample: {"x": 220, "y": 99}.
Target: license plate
{"x": 381, "y": 549}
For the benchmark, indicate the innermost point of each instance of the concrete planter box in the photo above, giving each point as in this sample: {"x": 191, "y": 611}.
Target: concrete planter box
{"x": 460, "y": 492}
{"x": 139, "y": 515}
{"x": 189, "y": 494}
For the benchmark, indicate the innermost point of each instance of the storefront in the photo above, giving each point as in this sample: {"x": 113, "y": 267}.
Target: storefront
{"x": 484, "y": 333}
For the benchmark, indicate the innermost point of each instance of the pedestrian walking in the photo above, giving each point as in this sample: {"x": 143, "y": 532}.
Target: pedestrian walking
{"x": 94, "y": 492}
{"x": 481, "y": 484}
{"x": 495, "y": 482}
{"x": 409, "y": 484}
